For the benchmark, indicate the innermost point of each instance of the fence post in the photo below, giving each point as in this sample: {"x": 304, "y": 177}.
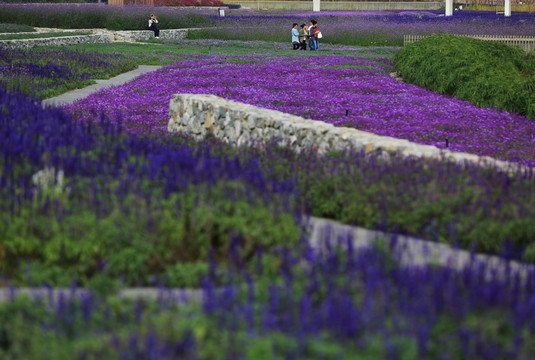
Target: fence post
{"x": 507, "y": 8}
{"x": 449, "y": 7}
{"x": 315, "y": 5}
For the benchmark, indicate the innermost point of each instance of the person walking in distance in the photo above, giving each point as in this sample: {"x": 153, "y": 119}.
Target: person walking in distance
{"x": 153, "y": 26}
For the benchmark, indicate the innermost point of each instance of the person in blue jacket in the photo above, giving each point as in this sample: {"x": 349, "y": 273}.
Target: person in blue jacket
{"x": 295, "y": 37}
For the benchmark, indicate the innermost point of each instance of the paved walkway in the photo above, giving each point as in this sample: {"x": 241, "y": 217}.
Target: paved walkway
{"x": 72, "y": 96}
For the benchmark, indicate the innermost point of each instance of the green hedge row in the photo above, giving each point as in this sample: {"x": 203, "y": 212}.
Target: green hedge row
{"x": 484, "y": 72}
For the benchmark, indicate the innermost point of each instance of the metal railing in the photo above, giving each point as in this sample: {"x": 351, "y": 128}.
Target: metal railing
{"x": 523, "y": 41}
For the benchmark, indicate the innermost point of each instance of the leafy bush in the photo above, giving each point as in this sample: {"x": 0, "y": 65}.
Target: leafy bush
{"x": 486, "y": 73}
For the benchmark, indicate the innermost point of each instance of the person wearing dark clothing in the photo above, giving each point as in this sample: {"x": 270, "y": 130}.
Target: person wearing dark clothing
{"x": 153, "y": 26}
{"x": 313, "y": 35}
{"x": 303, "y": 37}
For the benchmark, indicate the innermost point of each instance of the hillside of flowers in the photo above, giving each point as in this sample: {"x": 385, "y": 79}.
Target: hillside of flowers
{"x": 96, "y": 197}
{"x": 89, "y": 203}
{"x": 342, "y": 90}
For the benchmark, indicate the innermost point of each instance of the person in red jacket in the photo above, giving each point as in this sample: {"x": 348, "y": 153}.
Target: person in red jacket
{"x": 313, "y": 35}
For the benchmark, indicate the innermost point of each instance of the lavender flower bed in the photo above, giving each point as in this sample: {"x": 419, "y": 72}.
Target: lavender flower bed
{"x": 345, "y": 304}
{"x": 342, "y": 27}
{"x": 360, "y": 87}
{"x": 46, "y": 73}
{"x": 365, "y": 27}
{"x": 87, "y": 16}
{"x": 119, "y": 208}
{"x": 89, "y": 203}
{"x": 14, "y": 28}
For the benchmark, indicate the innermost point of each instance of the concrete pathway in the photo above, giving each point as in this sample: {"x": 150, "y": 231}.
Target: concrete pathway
{"x": 72, "y": 96}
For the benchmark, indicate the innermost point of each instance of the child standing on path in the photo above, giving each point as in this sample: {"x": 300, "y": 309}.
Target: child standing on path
{"x": 295, "y": 37}
{"x": 152, "y": 25}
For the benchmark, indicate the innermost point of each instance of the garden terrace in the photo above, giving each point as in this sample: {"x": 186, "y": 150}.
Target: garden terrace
{"x": 103, "y": 198}
{"x": 130, "y": 200}
{"x": 357, "y": 92}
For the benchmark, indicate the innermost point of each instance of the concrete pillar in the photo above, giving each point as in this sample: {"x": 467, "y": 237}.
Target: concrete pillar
{"x": 507, "y": 10}
{"x": 315, "y": 5}
{"x": 449, "y": 7}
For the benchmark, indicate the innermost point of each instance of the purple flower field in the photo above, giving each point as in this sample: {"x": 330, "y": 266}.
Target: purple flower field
{"x": 365, "y": 27}
{"x": 322, "y": 88}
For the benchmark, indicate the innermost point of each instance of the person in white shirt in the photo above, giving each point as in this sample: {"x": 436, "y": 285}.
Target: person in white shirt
{"x": 152, "y": 25}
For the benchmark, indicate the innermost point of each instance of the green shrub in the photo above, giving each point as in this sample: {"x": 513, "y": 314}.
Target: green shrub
{"x": 140, "y": 241}
{"x": 484, "y": 72}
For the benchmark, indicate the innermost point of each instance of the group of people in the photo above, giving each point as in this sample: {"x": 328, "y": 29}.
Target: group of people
{"x": 306, "y": 34}
{"x": 300, "y": 37}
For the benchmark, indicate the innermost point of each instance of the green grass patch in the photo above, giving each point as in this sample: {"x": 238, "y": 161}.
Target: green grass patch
{"x": 158, "y": 52}
{"x": 486, "y": 73}
{"x": 139, "y": 240}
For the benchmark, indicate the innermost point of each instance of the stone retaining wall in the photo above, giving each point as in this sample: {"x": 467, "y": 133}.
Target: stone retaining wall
{"x": 56, "y": 41}
{"x": 99, "y": 36}
{"x": 127, "y": 36}
{"x": 243, "y": 124}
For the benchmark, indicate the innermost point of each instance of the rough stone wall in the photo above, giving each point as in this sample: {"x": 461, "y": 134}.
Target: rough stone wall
{"x": 99, "y": 36}
{"x": 242, "y": 124}
{"x": 175, "y": 34}
{"x": 57, "y": 41}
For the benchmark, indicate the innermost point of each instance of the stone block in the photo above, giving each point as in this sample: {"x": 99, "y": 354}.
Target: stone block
{"x": 242, "y": 124}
